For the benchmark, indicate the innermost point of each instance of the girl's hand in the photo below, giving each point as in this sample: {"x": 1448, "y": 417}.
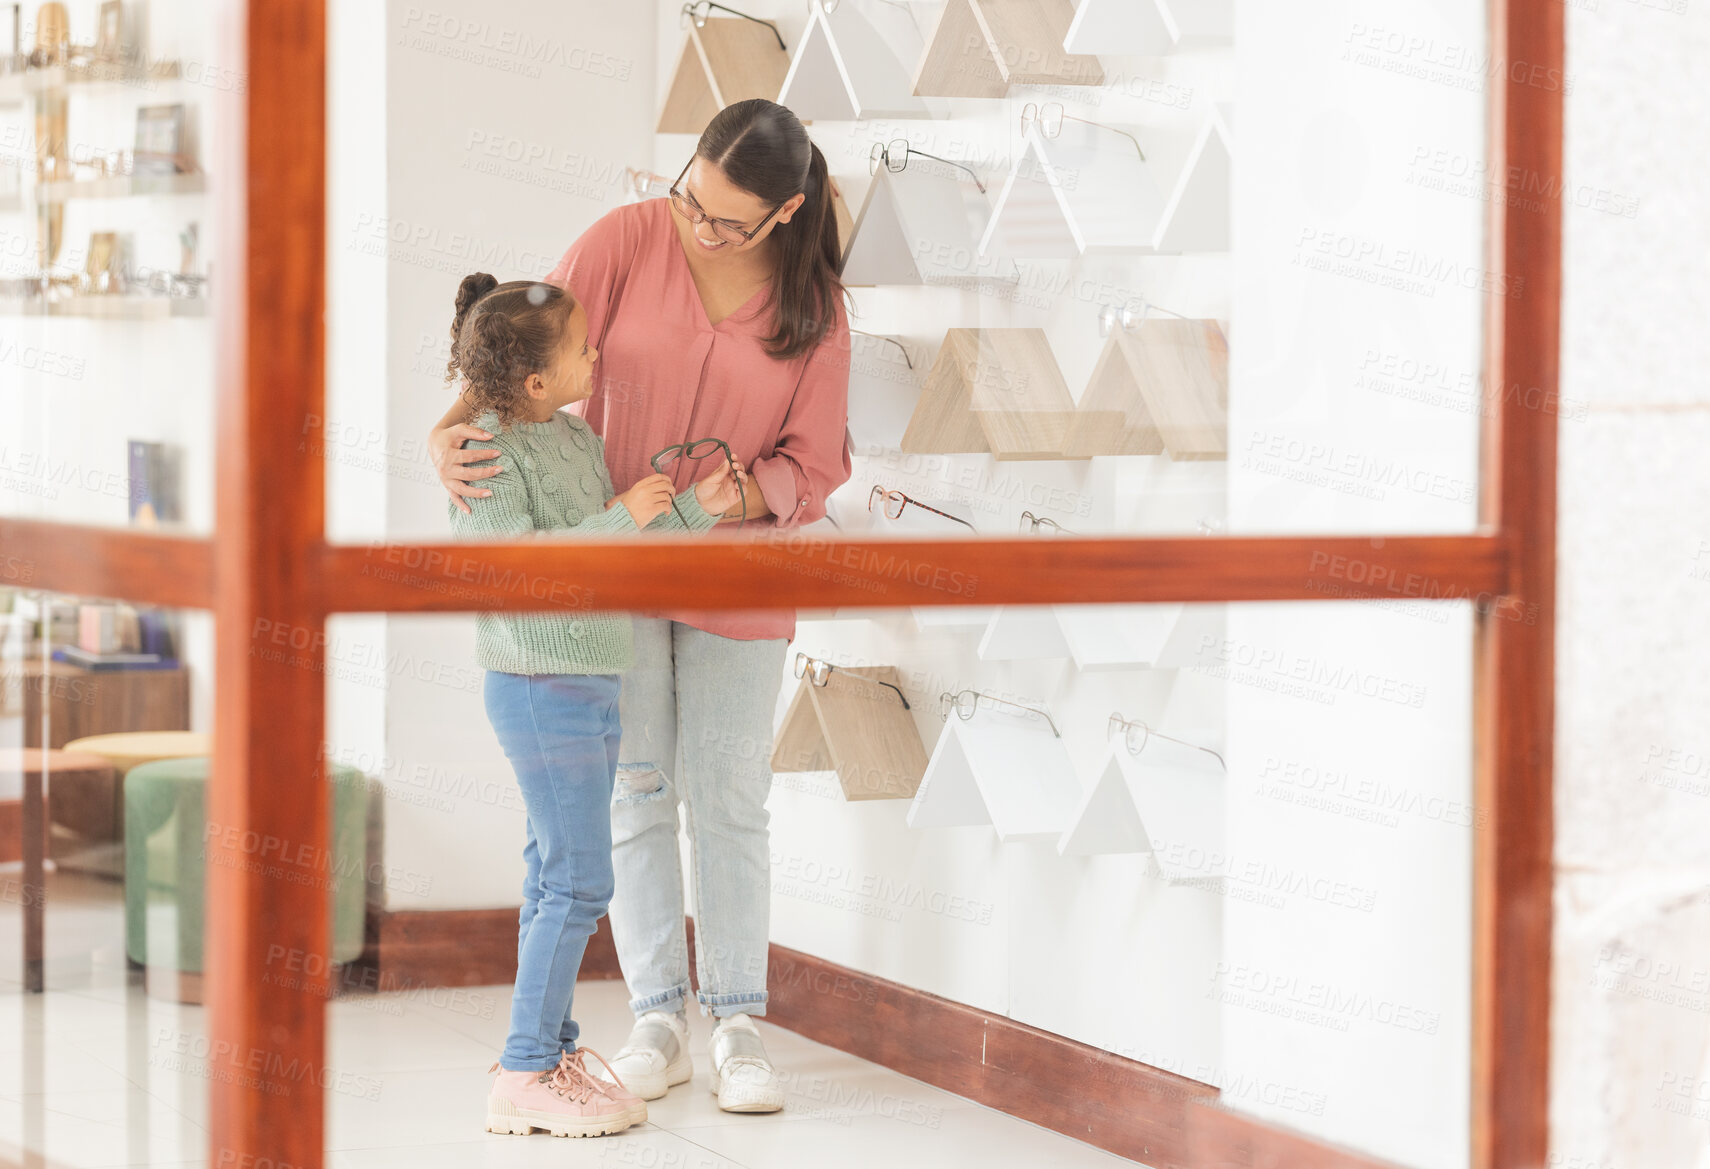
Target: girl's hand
{"x": 648, "y": 499}
{"x": 721, "y": 490}
{"x": 454, "y": 465}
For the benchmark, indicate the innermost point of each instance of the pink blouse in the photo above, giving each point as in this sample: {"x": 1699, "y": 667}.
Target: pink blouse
{"x": 666, "y": 375}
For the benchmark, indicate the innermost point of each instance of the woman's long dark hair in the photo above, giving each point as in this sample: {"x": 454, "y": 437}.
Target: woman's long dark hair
{"x": 763, "y": 148}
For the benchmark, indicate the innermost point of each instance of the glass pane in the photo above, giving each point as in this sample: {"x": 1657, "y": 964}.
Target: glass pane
{"x": 1261, "y": 883}
{"x": 108, "y": 127}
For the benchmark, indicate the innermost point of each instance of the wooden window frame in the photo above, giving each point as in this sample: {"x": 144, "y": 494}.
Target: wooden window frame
{"x": 271, "y": 564}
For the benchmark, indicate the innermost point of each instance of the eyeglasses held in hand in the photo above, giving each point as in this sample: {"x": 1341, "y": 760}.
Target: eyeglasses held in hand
{"x": 697, "y": 449}
{"x": 697, "y": 13}
{"x": 897, "y": 152}
{"x": 1136, "y": 734}
{"x": 1039, "y": 523}
{"x": 894, "y": 502}
{"x": 1049, "y": 117}
{"x": 818, "y": 673}
{"x": 725, "y": 230}
{"x": 965, "y": 702}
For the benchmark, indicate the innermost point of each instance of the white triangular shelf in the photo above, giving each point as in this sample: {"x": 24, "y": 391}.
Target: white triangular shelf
{"x": 980, "y": 48}
{"x": 964, "y": 618}
{"x": 912, "y": 228}
{"x": 727, "y": 60}
{"x": 999, "y": 770}
{"x": 1168, "y": 801}
{"x": 1159, "y": 637}
{"x": 851, "y": 65}
{"x": 883, "y": 391}
{"x": 856, "y": 728}
{"x": 1147, "y": 28}
{"x": 1086, "y": 188}
{"x": 1196, "y": 216}
{"x": 1023, "y": 633}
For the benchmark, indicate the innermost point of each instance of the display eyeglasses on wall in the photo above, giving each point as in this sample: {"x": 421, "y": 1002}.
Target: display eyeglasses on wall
{"x": 1135, "y": 734}
{"x": 896, "y": 153}
{"x": 1043, "y": 524}
{"x": 907, "y": 360}
{"x": 894, "y": 503}
{"x": 818, "y": 673}
{"x": 965, "y": 702}
{"x": 1049, "y": 117}
{"x": 1131, "y": 315}
{"x": 697, "y": 449}
{"x": 697, "y": 13}
{"x": 684, "y": 204}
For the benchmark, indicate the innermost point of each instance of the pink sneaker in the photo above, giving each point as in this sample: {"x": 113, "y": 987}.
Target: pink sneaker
{"x": 565, "y": 1101}
{"x": 609, "y": 1083}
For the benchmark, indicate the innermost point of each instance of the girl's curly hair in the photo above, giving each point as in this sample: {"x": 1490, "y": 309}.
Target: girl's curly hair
{"x": 501, "y": 334}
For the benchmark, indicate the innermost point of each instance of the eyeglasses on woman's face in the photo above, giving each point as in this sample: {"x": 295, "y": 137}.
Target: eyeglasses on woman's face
{"x": 698, "y": 449}
{"x": 966, "y": 702}
{"x": 893, "y": 503}
{"x": 818, "y": 673}
{"x": 894, "y": 156}
{"x": 724, "y": 230}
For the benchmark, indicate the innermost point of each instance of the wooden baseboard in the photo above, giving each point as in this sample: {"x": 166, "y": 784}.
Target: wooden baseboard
{"x": 1162, "y": 1120}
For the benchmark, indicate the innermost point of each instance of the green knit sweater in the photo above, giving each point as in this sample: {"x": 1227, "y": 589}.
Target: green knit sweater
{"x": 554, "y": 483}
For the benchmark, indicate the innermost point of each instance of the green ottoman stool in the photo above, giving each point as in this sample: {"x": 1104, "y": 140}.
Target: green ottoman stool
{"x": 165, "y": 871}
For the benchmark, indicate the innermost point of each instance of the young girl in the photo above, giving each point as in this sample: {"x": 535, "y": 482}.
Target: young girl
{"x": 552, "y": 680}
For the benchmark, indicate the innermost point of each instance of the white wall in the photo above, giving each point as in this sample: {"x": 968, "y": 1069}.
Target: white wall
{"x": 1630, "y": 1061}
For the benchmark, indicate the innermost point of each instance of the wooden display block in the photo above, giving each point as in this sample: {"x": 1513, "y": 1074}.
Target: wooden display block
{"x": 859, "y": 729}
{"x": 1086, "y": 188}
{"x": 1147, "y": 28}
{"x": 993, "y": 390}
{"x": 982, "y": 47}
{"x": 727, "y": 61}
{"x": 1168, "y": 801}
{"x": 1168, "y": 383}
{"x": 1196, "y": 217}
{"x": 1112, "y": 418}
{"x": 915, "y": 227}
{"x": 853, "y": 63}
{"x": 1007, "y": 771}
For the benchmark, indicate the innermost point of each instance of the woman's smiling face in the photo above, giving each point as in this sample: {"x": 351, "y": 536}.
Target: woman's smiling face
{"x": 705, "y": 187}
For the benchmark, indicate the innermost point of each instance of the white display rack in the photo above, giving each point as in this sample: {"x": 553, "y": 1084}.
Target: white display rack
{"x": 855, "y": 61}
{"x": 1167, "y": 800}
{"x": 1007, "y": 771}
{"x": 1148, "y": 28}
{"x": 1086, "y": 188}
{"x": 1196, "y": 217}
{"x": 883, "y": 389}
{"x": 915, "y": 227}
{"x": 1105, "y": 637}
{"x": 980, "y": 48}
{"x": 120, "y": 187}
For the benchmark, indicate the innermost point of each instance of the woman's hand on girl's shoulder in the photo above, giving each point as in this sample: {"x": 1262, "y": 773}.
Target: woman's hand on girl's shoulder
{"x": 456, "y": 466}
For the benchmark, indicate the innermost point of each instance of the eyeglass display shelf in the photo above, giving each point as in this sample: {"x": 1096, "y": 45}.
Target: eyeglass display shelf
{"x": 1167, "y": 800}
{"x": 15, "y": 87}
{"x": 1161, "y": 388}
{"x": 857, "y": 728}
{"x": 996, "y": 391}
{"x": 904, "y": 208}
{"x": 980, "y": 48}
{"x": 120, "y": 187}
{"x": 1009, "y": 772}
{"x": 854, "y": 61}
{"x": 115, "y": 306}
{"x": 883, "y": 390}
{"x": 1148, "y": 28}
{"x": 724, "y": 61}
{"x": 1104, "y": 637}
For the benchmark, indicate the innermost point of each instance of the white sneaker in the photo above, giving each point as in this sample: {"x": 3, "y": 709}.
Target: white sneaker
{"x": 656, "y": 1056}
{"x": 742, "y": 1076}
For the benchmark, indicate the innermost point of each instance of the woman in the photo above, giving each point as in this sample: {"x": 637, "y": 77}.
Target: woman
{"x": 718, "y": 314}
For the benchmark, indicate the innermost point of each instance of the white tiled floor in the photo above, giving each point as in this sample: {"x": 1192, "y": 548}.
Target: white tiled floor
{"x": 91, "y": 1075}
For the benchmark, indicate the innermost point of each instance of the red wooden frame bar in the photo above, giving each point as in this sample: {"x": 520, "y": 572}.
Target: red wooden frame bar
{"x": 271, "y": 564}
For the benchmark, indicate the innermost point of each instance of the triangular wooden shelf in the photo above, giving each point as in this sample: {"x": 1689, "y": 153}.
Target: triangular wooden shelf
{"x": 1196, "y": 217}
{"x": 913, "y": 228}
{"x": 858, "y": 729}
{"x": 1180, "y": 370}
{"x": 1001, "y": 771}
{"x": 982, "y": 47}
{"x": 725, "y": 61}
{"x": 1147, "y": 28}
{"x": 851, "y": 65}
{"x": 1111, "y": 418}
{"x": 1086, "y": 188}
{"x": 992, "y": 390}
{"x": 883, "y": 391}
{"x": 1167, "y": 800}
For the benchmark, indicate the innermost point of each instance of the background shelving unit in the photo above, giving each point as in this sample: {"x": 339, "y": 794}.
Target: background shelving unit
{"x": 996, "y": 390}
{"x": 1180, "y": 370}
{"x": 1196, "y": 217}
{"x": 1166, "y": 801}
{"x": 997, "y": 770}
{"x": 1080, "y": 190}
{"x": 982, "y": 47}
{"x": 858, "y": 729}
{"x": 855, "y": 62}
{"x": 899, "y": 212}
{"x": 1147, "y": 28}
{"x": 726, "y": 60}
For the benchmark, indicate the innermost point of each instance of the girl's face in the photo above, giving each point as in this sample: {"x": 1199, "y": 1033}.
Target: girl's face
{"x": 705, "y": 188}
{"x": 571, "y": 376}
